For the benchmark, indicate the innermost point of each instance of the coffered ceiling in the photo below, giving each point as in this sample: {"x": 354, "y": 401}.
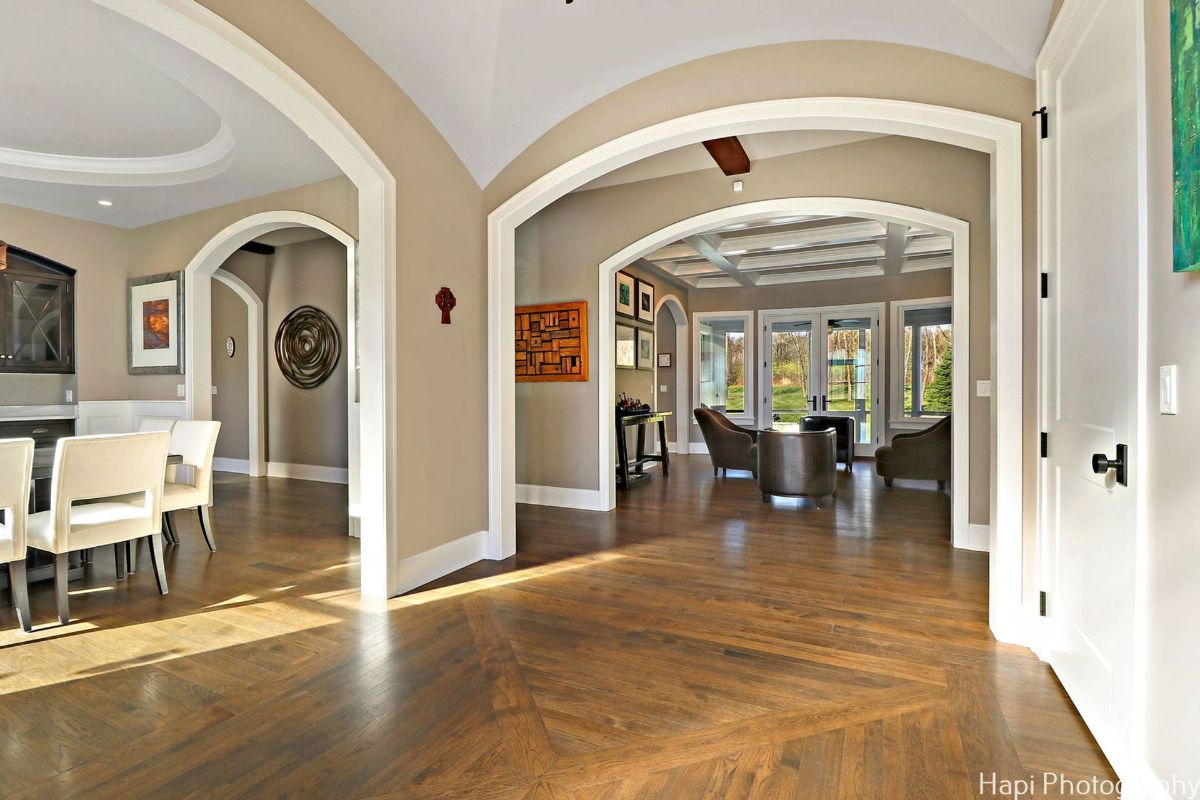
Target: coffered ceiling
{"x": 97, "y": 108}
{"x": 494, "y": 75}
{"x": 799, "y": 249}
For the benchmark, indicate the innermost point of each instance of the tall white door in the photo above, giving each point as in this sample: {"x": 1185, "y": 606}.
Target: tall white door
{"x": 1092, "y": 246}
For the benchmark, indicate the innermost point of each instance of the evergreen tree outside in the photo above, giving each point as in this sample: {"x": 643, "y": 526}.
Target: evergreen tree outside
{"x": 937, "y": 395}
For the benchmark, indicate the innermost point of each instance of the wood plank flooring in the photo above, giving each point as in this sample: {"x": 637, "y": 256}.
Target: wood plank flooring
{"x": 696, "y": 643}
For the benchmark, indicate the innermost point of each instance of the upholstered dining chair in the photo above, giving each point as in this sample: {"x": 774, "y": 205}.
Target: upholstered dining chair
{"x": 106, "y": 490}
{"x": 196, "y": 441}
{"x": 16, "y": 468}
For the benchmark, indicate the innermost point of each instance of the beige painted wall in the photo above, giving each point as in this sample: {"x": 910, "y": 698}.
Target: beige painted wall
{"x": 1172, "y": 502}
{"x": 560, "y": 249}
{"x": 441, "y": 480}
{"x": 231, "y": 376}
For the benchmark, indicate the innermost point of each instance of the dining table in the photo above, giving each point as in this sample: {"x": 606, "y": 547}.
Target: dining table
{"x": 43, "y": 463}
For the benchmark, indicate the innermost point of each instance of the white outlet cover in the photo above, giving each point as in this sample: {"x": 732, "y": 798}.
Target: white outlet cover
{"x": 983, "y": 388}
{"x": 1168, "y": 389}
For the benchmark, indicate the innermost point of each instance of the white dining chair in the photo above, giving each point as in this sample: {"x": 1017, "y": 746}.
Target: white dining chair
{"x": 16, "y": 470}
{"x": 195, "y": 441}
{"x": 105, "y": 490}
{"x": 156, "y": 424}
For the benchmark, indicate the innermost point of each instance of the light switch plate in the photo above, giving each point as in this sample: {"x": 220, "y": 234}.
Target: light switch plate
{"x": 983, "y": 388}
{"x": 214, "y": 390}
{"x": 70, "y": 395}
{"x": 662, "y": 387}
{"x": 180, "y": 390}
{"x": 1168, "y": 389}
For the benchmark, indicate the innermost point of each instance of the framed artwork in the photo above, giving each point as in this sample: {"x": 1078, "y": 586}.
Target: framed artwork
{"x": 1185, "y": 128}
{"x": 551, "y": 343}
{"x": 645, "y": 349}
{"x": 664, "y": 359}
{"x": 626, "y": 302}
{"x": 645, "y": 301}
{"x": 155, "y": 318}
{"x": 626, "y": 347}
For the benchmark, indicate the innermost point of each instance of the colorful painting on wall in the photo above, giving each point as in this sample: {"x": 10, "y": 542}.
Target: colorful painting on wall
{"x": 155, "y": 319}
{"x": 624, "y": 292}
{"x": 1185, "y": 132}
{"x": 551, "y": 342}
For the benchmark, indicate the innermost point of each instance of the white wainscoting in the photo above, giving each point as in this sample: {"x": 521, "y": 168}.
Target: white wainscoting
{"x": 124, "y": 416}
{"x": 307, "y": 472}
{"x": 424, "y": 567}
{"x": 582, "y": 499}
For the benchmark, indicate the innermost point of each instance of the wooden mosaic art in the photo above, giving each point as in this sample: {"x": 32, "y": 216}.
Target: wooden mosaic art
{"x": 551, "y": 342}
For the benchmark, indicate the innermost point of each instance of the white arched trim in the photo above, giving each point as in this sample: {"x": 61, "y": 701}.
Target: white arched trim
{"x": 255, "y": 396}
{"x": 213, "y": 38}
{"x": 682, "y": 387}
{"x": 957, "y": 229}
{"x": 1011, "y": 613}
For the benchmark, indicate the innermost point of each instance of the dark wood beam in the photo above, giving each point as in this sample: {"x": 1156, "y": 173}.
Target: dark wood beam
{"x": 729, "y": 154}
{"x": 258, "y": 248}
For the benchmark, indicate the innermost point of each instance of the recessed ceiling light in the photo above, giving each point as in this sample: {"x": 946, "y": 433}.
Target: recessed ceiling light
{"x": 104, "y": 202}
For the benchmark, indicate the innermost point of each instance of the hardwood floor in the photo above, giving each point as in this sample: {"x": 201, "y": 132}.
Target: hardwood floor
{"x": 696, "y": 643}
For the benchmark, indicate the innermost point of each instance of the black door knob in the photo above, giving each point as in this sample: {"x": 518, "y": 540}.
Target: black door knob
{"x": 1102, "y": 464}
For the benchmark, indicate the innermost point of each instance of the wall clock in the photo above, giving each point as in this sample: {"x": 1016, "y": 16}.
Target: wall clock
{"x": 230, "y": 346}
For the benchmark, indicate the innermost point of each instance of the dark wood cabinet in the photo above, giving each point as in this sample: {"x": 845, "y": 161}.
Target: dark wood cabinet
{"x": 37, "y": 314}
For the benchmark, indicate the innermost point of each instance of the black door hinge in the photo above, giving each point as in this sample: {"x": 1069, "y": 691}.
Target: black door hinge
{"x": 1045, "y": 444}
{"x": 1045, "y": 284}
{"x": 1045, "y": 115}
{"x": 1042, "y": 604}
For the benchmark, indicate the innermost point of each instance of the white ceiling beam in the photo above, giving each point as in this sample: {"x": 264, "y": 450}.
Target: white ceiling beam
{"x": 927, "y": 263}
{"x": 811, "y": 258}
{"x": 658, "y": 271}
{"x": 709, "y": 246}
{"x": 928, "y": 244}
{"x": 797, "y": 238}
{"x": 838, "y": 273}
{"x": 674, "y": 252}
{"x": 894, "y": 247}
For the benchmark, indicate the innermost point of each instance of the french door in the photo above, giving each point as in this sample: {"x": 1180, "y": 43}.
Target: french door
{"x": 822, "y": 361}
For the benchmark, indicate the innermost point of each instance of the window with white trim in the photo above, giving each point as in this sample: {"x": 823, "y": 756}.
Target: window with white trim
{"x": 926, "y": 341}
{"x": 725, "y": 355}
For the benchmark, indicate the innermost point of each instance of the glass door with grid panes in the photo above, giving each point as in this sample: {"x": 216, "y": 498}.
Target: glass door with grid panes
{"x": 822, "y": 362}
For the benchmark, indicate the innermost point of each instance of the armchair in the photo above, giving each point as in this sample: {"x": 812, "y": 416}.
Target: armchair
{"x": 729, "y": 446}
{"x": 924, "y": 455}
{"x": 798, "y": 464}
{"x": 844, "y": 426}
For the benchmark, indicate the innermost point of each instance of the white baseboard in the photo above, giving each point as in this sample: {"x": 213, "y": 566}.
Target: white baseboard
{"x": 698, "y": 448}
{"x": 239, "y": 465}
{"x": 978, "y": 538}
{"x": 582, "y": 499}
{"x": 424, "y": 567}
{"x": 124, "y": 416}
{"x": 307, "y": 472}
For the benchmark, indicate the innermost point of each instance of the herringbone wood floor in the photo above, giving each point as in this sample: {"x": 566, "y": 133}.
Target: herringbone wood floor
{"x": 694, "y": 644}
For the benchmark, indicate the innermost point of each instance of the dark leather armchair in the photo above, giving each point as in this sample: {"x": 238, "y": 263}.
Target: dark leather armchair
{"x": 729, "y": 446}
{"x": 798, "y": 464}
{"x": 924, "y": 455}
{"x": 844, "y": 427}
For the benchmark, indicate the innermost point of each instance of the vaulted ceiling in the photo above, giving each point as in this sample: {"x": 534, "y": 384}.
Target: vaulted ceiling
{"x": 799, "y": 249}
{"x": 494, "y": 75}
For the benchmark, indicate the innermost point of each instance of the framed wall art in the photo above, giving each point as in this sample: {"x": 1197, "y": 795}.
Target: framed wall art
{"x": 155, "y": 320}
{"x": 626, "y": 301}
{"x": 626, "y": 347}
{"x": 645, "y": 349}
{"x": 551, "y": 342}
{"x": 645, "y": 301}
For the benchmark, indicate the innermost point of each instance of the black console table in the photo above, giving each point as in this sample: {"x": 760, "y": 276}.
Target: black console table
{"x": 625, "y": 478}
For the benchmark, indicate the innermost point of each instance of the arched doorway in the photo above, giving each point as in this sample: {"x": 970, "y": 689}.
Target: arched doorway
{"x": 256, "y": 411}
{"x": 1010, "y": 617}
{"x": 682, "y": 406}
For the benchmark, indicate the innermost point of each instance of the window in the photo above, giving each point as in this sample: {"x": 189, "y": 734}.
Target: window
{"x": 725, "y": 350}
{"x": 926, "y": 357}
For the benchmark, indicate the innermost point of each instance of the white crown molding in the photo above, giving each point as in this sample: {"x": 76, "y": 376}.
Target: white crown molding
{"x": 190, "y": 166}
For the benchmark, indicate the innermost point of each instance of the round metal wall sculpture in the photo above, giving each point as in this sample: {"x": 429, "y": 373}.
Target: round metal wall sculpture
{"x": 307, "y": 347}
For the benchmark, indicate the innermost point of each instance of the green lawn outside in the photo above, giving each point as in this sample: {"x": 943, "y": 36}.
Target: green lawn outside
{"x": 791, "y": 398}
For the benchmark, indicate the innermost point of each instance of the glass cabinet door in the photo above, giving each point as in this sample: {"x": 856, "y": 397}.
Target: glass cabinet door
{"x": 36, "y": 320}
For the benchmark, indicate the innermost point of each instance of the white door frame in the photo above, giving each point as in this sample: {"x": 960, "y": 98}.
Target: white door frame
{"x": 1010, "y": 612}
{"x": 198, "y": 323}
{"x": 682, "y": 358}
{"x": 256, "y": 416}
{"x": 216, "y": 40}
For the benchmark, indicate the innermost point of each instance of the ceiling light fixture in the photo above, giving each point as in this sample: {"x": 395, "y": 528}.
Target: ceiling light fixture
{"x": 105, "y": 203}
{"x": 737, "y": 186}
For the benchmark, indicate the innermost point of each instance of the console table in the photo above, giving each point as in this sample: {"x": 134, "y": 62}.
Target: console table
{"x": 625, "y": 478}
